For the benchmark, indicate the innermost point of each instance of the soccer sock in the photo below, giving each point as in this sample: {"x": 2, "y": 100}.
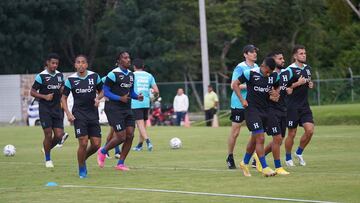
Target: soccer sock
{"x": 288, "y": 156}
{"x": 263, "y": 162}
{"x": 277, "y": 163}
{"x": 139, "y": 145}
{"x": 117, "y": 150}
{"x": 47, "y": 156}
{"x": 299, "y": 151}
{"x": 82, "y": 169}
{"x": 147, "y": 141}
{"x": 121, "y": 161}
{"x": 103, "y": 151}
{"x": 247, "y": 158}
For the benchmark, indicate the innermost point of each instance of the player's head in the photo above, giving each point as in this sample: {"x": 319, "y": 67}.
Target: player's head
{"x": 299, "y": 54}
{"x": 81, "y": 63}
{"x": 180, "y": 91}
{"x": 250, "y": 52}
{"x": 210, "y": 88}
{"x": 138, "y": 64}
{"x": 268, "y": 66}
{"x": 52, "y": 61}
{"x": 278, "y": 57}
{"x": 124, "y": 60}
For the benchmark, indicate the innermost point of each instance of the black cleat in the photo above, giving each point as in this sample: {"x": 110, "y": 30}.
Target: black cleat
{"x": 230, "y": 162}
{"x": 253, "y": 164}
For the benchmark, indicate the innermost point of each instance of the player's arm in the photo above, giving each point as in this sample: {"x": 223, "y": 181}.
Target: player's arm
{"x": 36, "y": 86}
{"x": 64, "y": 97}
{"x": 100, "y": 92}
{"x": 235, "y": 84}
{"x": 109, "y": 82}
{"x": 133, "y": 94}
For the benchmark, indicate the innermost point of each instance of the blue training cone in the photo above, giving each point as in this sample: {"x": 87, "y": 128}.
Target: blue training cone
{"x": 51, "y": 184}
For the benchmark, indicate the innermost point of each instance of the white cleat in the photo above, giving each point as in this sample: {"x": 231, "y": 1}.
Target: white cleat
{"x": 301, "y": 159}
{"x": 290, "y": 163}
{"x": 49, "y": 164}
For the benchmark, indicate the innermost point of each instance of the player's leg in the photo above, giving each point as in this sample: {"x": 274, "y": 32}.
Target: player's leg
{"x": 208, "y": 117}
{"x": 94, "y": 132}
{"x": 237, "y": 117}
{"x": 47, "y": 147}
{"x": 292, "y": 123}
{"x": 126, "y": 148}
{"x": 304, "y": 141}
{"x": 81, "y": 155}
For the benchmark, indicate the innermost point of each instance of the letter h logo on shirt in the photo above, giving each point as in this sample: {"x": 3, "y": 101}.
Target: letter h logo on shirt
{"x": 270, "y": 80}
{"x": 91, "y": 81}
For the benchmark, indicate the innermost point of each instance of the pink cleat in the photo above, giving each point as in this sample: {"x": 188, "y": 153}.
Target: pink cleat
{"x": 121, "y": 167}
{"x": 101, "y": 158}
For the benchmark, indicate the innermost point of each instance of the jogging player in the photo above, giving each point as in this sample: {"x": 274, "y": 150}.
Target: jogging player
{"x": 298, "y": 108}
{"x": 256, "y": 113}
{"x": 118, "y": 88}
{"x": 84, "y": 85}
{"x": 47, "y": 87}
{"x": 238, "y": 104}
{"x": 143, "y": 82}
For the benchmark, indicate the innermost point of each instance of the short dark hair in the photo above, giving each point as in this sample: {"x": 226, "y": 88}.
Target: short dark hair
{"x": 138, "y": 63}
{"x": 81, "y": 55}
{"x": 52, "y": 56}
{"x": 249, "y": 48}
{"x": 269, "y": 62}
{"x": 121, "y": 53}
{"x": 297, "y": 47}
{"x": 274, "y": 53}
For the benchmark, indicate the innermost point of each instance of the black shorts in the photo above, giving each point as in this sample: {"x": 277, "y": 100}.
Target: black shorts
{"x": 237, "y": 115}
{"x": 89, "y": 128}
{"x": 119, "y": 119}
{"x": 299, "y": 116}
{"x": 51, "y": 118}
{"x": 141, "y": 114}
{"x": 256, "y": 119}
{"x": 276, "y": 123}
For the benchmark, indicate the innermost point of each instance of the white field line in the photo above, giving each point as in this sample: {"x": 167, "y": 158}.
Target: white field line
{"x": 196, "y": 193}
{"x": 183, "y": 169}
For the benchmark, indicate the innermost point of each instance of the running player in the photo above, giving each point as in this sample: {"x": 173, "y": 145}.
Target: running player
{"x": 111, "y": 134}
{"x": 256, "y": 113}
{"x": 47, "y": 87}
{"x": 84, "y": 85}
{"x": 237, "y": 104}
{"x": 298, "y": 108}
{"x": 142, "y": 84}
{"x": 118, "y": 88}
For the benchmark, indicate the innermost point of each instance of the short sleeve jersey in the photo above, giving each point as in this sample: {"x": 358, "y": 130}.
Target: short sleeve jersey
{"x": 84, "y": 90}
{"x": 258, "y": 87}
{"x": 120, "y": 83}
{"x": 239, "y": 69}
{"x": 143, "y": 82}
{"x": 299, "y": 96}
{"x": 47, "y": 83}
{"x": 281, "y": 83}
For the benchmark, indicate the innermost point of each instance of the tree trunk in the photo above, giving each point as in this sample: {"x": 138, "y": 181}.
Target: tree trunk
{"x": 224, "y": 67}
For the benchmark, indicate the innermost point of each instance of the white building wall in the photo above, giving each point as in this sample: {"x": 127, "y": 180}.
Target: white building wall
{"x": 10, "y": 99}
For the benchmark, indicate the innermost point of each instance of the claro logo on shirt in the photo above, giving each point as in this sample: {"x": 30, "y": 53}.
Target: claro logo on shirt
{"x": 261, "y": 89}
{"x": 54, "y": 87}
{"x": 82, "y": 90}
{"x": 126, "y": 85}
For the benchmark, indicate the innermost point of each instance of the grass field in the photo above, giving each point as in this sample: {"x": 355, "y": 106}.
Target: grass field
{"x": 332, "y": 172}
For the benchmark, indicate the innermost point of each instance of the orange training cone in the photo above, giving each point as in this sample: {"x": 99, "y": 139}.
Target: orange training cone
{"x": 187, "y": 121}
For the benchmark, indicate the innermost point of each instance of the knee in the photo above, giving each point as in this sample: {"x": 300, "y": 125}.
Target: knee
{"x": 82, "y": 145}
{"x": 309, "y": 132}
{"x": 277, "y": 140}
{"x": 96, "y": 146}
{"x": 130, "y": 136}
{"x": 260, "y": 140}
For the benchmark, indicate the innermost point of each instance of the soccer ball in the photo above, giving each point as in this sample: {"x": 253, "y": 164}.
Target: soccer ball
{"x": 175, "y": 143}
{"x": 9, "y": 150}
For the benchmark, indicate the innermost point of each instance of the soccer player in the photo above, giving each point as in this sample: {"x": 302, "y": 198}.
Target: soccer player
{"x": 277, "y": 112}
{"x": 47, "y": 87}
{"x": 258, "y": 85}
{"x": 142, "y": 84}
{"x": 118, "y": 88}
{"x": 238, "y": 104}
{"x": 84, "y": 85}
{"x": 298, "y": 108}
{"x": 111, "y": 134}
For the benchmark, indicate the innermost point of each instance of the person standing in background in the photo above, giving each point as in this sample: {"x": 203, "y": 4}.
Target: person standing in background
{"x": 211, "y": 102}
{"x": 181, "y": 105}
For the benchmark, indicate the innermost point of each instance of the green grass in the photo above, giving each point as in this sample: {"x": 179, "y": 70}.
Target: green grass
{"x": 332, "y": 173}
{"x": 344, "y": 114}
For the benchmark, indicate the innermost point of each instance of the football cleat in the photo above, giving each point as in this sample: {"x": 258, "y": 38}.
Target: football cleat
{"x": 301, "y": 159}
{"x": 49, "y": 164}
{"x": 290, "y": 163}
{"x": 245, "y": 169}
{"x": 267, "y": 172}
{"x": 258, "y": 164}
{"x": 137, "y": 148}
{"x": 281, "y": 171}
{"x": 122, "y": 167}
{"x": 230, "y": 163}
{"x": 101, "y": 158}
{"x": 149, "y": 147}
